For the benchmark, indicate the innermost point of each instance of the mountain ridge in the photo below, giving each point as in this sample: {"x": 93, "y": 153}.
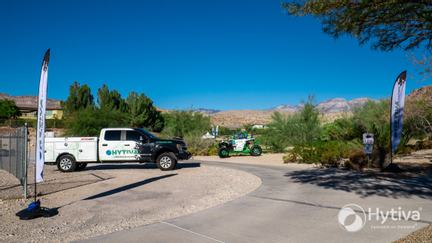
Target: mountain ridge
{"x": 330, "y": 110}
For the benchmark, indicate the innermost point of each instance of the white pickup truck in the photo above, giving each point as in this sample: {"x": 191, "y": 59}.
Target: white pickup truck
{"x": 114, "y": 145}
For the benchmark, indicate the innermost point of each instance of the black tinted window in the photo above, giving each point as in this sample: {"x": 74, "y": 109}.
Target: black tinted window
{"x": 113, "y": 135}
{"x": 133, "y": 136}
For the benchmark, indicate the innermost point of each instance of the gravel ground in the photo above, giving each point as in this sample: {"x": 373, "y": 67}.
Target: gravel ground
{"x": 128, "y": 196}
{"x": 10, "y": 188}
{"x": 420, "y": 236}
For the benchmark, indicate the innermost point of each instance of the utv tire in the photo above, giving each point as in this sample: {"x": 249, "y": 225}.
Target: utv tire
{"x": 223, "y": 153}
{"x": 81, "y": 166}
{"x": 256, "y": 150}
{"x": 166, "y": 161}
{"x": 66, "y": 163}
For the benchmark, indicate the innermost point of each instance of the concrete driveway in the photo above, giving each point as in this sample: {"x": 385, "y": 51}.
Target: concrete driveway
{"x": 300, "y": 205}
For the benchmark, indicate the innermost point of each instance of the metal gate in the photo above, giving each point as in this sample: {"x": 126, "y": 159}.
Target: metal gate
{"x": 13, "y": 154}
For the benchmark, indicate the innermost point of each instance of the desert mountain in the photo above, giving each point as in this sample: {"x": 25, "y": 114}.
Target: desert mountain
{"x": 30, "y": 102}
{"x": 330, "y": 109}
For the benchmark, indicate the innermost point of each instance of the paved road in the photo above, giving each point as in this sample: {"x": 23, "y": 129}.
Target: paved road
{"x": 296, "y": 205}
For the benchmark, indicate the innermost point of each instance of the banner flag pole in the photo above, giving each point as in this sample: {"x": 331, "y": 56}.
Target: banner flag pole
{"x": 40, "y": 131}
{"x": 396, "y": 112}
{"x": 34, "y": 209}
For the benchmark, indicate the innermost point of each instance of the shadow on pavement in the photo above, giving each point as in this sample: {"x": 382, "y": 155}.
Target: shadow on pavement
{"x": 128, "y": 187}
{"x": 365, "y": 184}
{"x": 137, "y": 166}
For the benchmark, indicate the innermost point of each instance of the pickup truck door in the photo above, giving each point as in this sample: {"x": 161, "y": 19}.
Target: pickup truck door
{"x": 112, "y": 147}
{"x": 132, "y": 137}
{"x": 146, "y": 147}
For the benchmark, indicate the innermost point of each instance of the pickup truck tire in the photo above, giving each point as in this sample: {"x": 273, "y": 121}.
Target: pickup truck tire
{"x": 166, "y": 161}
{"x": 66, "y": 163}
{"x": 81, "y": 166}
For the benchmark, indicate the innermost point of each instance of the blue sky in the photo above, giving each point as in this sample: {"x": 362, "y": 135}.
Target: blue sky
{"x": 189, "y": 54}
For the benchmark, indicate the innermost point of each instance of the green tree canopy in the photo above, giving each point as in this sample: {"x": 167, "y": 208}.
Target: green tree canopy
{"x": 110, "y": 100}
{"x": 8, "y": 109}
{"x": 84, "y": 118}
{"x": 183, "y": 123}
{"x": 80, "y": 97}
{"x": 387, "y": 24}
{"x": 142, "y": 113}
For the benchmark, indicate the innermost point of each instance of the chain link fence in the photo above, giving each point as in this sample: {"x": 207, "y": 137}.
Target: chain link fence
{"x": 14, "y": 154}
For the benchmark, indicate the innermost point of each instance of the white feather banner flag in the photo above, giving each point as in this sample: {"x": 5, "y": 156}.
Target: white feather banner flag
{"x": 40, "y": 135}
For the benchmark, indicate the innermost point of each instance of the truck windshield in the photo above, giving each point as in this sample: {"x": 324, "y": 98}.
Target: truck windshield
{"x": 146, "y": 133}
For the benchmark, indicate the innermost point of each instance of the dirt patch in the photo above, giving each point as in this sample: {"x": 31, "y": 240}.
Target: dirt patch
{"x": 419, "y": 162}
{"x": 134, "y": 195}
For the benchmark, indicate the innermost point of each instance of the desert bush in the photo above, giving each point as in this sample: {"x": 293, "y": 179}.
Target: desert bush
{"x": 198, "y": 146}
{"x": 427, "y": 144}
{"x": 328, "y": 153}
{"x": 289, "y": 157}
{"x": 418, "y": 115}
{"x": 225, "y": 131}
{"x": 341, "y": 129}
{"x": 357, "y": 160}
{"x": 190, "y": 126}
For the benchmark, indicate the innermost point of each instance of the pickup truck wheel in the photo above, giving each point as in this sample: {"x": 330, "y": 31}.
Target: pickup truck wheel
{"x": 66, "y": 163}
{"x": 81, "y": 166}
{"x": 166, "y": 161}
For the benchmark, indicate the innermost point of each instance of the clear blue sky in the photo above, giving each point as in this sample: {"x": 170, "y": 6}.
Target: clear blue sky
{"x": 183, "y": 54}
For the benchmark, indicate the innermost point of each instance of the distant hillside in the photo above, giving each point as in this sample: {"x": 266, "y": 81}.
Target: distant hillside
{"x": 331, "y": 109}
{"x": 335, "y": 105}
{"x": 30, "y": 102}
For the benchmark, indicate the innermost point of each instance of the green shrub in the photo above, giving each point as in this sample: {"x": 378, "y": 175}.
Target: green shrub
{"x": 185, "y": 123}
{"x": 289, "y": 158}
{"x": 373, "y": 117}
{"x": 296, "y": 130}
{"x": 8, "y": 109}
{"x": 49, "y": 123}
{"x": 198, "y": 146}
{"x": 328, "y": 153}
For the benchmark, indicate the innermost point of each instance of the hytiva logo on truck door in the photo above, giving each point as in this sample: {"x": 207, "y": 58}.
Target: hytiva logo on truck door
{"x": 115, "y": 152}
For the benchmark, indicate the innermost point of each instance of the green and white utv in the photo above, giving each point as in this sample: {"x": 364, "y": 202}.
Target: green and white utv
{"x": 239, "y": 144}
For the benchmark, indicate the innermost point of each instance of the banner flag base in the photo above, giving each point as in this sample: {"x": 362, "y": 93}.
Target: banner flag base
{"x": 34, "y": 210}
{"x": 393, "y": 168}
